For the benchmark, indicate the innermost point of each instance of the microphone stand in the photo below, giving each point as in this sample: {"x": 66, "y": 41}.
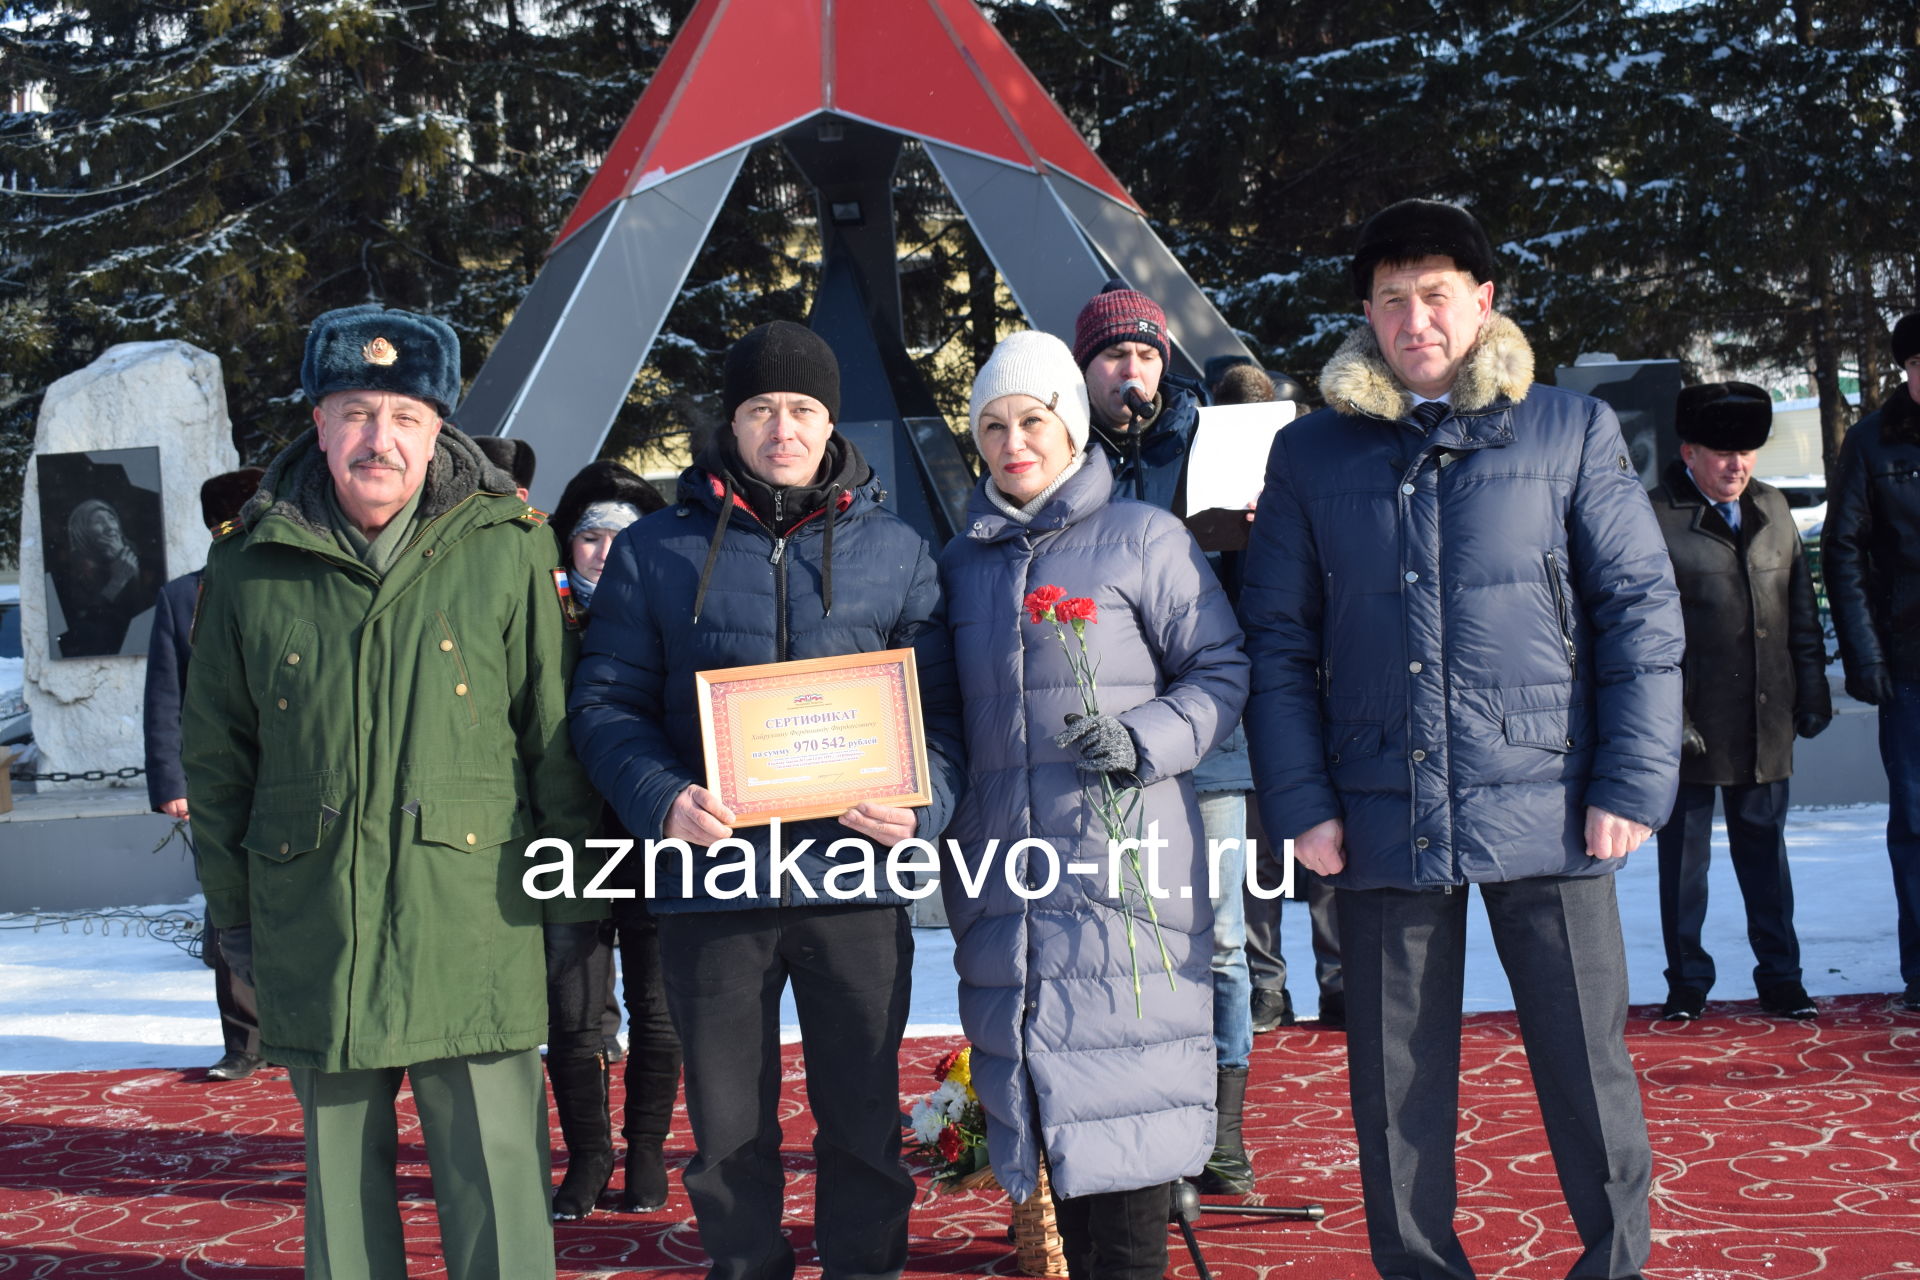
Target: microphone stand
{"x": 1187, "y": 1208}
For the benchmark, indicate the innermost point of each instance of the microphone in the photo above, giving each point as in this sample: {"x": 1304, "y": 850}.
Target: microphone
{"x": 1134, "y": 392}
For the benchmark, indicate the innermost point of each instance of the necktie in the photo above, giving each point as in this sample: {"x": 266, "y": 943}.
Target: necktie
{"x": 1428, "y": 414}
{"x": 1730, "y": 512}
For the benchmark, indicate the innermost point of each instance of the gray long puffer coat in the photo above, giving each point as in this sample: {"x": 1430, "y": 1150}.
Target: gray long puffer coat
{"x": 1046, "y": 991}
{"x": 1461, "y": 639}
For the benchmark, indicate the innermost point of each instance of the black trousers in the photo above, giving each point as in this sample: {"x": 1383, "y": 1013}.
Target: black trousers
{"x": 1115, "y": 1235}
{"x": 576, "y": 992}
{"x": 1757, "y": 842}
{"x": 239, "y": 1012}
{"x": 852, "y": 971}
{"x": 1559, "y": 941}
{"x": 653, "y": 1047}
{"x": 1266, "y": 962}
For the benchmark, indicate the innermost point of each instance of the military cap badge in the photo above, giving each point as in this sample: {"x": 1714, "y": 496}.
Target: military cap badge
{"x": 379, "y": 351}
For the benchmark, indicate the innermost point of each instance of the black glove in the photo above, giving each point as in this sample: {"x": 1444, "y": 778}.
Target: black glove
{"x": 1871, "y": 684}
{"x": 236, "y": 948}
{"x": 1103, "y": 744}
{"x": 569, "y": 945}
{"x": 1808, "y": 724}
{"x": 1692, "y": 745}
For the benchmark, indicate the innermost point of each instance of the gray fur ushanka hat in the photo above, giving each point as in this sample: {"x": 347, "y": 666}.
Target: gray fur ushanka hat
{"x": 372, "y": 349}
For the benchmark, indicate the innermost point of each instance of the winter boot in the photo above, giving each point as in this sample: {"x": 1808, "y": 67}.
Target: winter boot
{"x": 1229, "y": 1171}
{"x": 653, "y": 1078}
{"x": 646, "y": 1181}
{"x": 580, "y": 1098}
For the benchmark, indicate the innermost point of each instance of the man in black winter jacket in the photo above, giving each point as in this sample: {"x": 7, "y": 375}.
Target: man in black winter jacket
{"x": 1871, "y": 556}
{"x": 1755, "y": 675}
{"x": 167, "y": 654}
{"x": 777, "y": 549}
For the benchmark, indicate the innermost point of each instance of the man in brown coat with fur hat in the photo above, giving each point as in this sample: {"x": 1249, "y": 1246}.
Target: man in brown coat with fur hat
{"x": 1754, "y": 676}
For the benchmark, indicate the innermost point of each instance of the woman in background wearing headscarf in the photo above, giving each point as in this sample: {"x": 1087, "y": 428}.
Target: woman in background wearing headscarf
{"x": 599, "y": 502}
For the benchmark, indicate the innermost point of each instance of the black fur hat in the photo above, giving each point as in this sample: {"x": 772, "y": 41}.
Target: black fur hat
{"x": 1415, "y": 229}
{"x": 1730, "y": 416}
{"x": 222, "y": 497}
{"x": 1906, "y": 339}
{"x": 372, "y": 349}
{"x": 602, "y": 481}
{"x": 511, "y": 454}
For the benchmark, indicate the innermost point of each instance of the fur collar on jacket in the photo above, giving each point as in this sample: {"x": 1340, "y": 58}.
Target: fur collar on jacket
{"x": 1900, "y": 417}
{"x": 297, "y": 482}
{"x": 1358, "y": 381}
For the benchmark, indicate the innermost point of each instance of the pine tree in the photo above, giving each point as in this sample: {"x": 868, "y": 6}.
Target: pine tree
{"x": 223, "y": 172}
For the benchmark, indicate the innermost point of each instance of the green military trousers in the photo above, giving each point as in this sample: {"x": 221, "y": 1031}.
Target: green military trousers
{"x": 485, "y": 1123}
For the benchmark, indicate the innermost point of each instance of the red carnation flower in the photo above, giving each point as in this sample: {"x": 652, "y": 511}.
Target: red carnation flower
{"x": 946, "y": 1065}
{"x": 1040, "y": 601}
{"x": 950, "y": 1145}
{"x": 1077, "y": 609}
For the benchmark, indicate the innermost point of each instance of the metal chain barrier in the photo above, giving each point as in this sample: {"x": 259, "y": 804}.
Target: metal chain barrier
{"x": 91, "y": 775}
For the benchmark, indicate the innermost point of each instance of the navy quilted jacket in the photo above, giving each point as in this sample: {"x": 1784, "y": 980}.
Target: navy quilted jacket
{"x": 1460, "y": 640}
{"x": 1046, "y": 992}
{"x": 633, "y": 710}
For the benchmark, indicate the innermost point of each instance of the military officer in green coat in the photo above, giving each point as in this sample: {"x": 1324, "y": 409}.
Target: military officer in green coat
{"x": 373, "y": 731}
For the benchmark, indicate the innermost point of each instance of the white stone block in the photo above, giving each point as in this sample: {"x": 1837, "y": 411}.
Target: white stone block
{"x": 169, "y": 395}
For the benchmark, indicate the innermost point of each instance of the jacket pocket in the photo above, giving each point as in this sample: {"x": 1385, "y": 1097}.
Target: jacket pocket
{"x": 1562, "y": 608}
{"x": 290, "y": 818}
{"x": 469, "y": 824}
{"x": 1548, "y": 728}
{"x": 461, "y": 682}
{"x": 292, "y": 674}
{"x": 1347, "y": 743}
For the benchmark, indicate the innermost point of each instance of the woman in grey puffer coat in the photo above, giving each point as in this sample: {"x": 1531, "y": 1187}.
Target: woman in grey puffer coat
{"x": 1117, "y": 1099}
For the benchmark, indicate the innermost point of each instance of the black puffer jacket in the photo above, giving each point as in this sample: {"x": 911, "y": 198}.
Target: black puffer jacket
{"x": 1870, "y": 548}
{"x": 1755, "y": 656}
{"x": 706, "y": 583}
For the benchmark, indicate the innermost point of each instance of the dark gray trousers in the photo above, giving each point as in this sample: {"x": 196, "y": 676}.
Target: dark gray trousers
{"x": 1559, "y": 941}
{"x": 1757, "y": 845}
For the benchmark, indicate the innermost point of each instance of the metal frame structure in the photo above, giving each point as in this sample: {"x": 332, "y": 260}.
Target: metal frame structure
{"x": 839, "y": 84}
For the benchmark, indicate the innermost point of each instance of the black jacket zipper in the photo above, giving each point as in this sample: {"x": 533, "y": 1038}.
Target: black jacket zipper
{"x": 1560, "y": 608}
{"x": 779, "y": 562}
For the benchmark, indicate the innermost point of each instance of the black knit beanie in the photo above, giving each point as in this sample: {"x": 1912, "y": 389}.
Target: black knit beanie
{"x": 782, "y": 356}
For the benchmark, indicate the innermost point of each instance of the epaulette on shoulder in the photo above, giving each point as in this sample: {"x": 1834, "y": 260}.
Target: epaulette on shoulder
{"x": 225, "y": 529}
{"x": 532, "y": 517}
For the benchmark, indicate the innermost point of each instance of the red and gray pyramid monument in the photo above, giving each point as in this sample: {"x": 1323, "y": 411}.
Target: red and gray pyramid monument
{"x": 840, "y": 84}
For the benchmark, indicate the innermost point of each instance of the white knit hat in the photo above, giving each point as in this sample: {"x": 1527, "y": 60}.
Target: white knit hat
{"x": 1038, "y": 365}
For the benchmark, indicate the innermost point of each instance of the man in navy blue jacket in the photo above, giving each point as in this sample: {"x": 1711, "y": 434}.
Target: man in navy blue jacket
{"x": 1466, "y": 648}
{"x": 777, "y": 549}
{"x": 220, "y": 501}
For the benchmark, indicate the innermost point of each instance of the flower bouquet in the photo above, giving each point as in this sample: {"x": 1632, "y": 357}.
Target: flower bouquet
{"x": 1117, "y": 806}
{"x": 950, "y": 1129}
{"x": 950, "y": 1134}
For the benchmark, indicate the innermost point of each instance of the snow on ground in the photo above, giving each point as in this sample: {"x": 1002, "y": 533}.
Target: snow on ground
{"x": 87, "y": 1001}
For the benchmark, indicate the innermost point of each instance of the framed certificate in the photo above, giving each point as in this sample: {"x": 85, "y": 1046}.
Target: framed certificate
{"x": 814, "y": 737}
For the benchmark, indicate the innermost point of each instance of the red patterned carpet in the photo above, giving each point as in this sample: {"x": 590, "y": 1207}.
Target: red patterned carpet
{"x": 1782, "y": 1151}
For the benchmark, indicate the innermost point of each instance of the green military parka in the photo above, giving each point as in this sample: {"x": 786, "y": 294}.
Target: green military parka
{"x": 367, "y": 759}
